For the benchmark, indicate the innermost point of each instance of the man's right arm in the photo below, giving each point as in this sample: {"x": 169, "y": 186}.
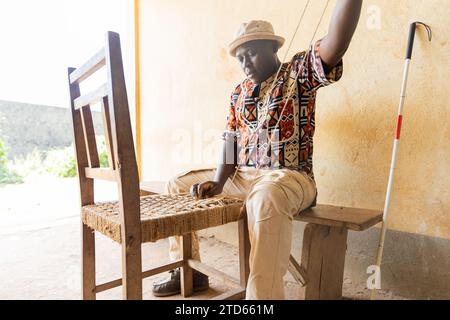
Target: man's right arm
{"x": 227, "y": 163}
{"x": 228, "y": 158}
{"x": 226, "y": 167}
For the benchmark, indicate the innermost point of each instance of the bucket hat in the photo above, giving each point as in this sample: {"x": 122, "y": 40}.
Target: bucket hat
{"x": 254, "y": 30}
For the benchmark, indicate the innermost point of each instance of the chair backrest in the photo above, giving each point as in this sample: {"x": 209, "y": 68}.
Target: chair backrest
{"x": 112, "y": 96}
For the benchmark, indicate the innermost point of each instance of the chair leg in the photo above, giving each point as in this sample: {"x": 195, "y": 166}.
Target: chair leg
{"x": 244, "y": 251}
{"x": 186, "y": 272}
{"x": 131, "y": 271}
{"x": 88, "y": 262}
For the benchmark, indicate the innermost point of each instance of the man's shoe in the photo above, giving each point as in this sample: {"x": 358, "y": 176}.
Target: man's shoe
{"x": 172, "y": 285}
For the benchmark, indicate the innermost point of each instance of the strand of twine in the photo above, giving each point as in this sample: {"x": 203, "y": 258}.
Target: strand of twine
{"x": 301, "y": 69}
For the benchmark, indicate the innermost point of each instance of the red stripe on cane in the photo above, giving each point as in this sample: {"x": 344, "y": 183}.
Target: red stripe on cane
{"x": 399, "y": 127}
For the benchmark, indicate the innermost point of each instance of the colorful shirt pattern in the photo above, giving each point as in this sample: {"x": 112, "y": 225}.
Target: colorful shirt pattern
{"x": 268, "y": 139}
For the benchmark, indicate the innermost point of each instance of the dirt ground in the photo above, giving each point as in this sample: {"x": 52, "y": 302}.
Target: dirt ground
{"x": 40, "y": 248}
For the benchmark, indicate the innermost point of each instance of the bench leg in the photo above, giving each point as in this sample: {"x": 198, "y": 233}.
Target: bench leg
{"x": 186, "y": 270}
{"x": 244, "y": 251}
{"x": 88, "y": 262}
{"x": 323, "y": 258}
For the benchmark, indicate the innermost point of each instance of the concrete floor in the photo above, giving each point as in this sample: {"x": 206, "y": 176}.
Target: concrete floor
{"x": 40, "y": 249}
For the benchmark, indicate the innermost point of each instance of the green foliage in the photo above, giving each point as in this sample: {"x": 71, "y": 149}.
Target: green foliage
{"x": 62, "y": 163}
{"x": 7, "y": 175}
{"x": 3, "y": 158}
{"x": 31, "y": 164}
{"x": 103, "y": 157}
{"x": 59, "y": 162}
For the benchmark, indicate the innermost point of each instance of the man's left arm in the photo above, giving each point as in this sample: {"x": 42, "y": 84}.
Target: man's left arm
{"x": 342, "y": 27}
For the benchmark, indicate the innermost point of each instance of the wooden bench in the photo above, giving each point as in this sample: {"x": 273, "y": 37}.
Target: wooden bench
{"x": 324, "y": 244}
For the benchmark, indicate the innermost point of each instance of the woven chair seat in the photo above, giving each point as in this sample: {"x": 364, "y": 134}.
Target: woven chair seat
{"x": 163, "y": 216}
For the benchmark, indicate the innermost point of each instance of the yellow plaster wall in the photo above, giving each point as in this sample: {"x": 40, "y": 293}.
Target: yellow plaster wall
{"x": 187, "y": 76}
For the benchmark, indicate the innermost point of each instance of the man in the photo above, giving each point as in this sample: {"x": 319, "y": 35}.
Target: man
{"x": 271, "y": 121}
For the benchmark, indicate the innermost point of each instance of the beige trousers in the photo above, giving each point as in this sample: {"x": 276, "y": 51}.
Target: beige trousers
{"x": 273, "y": 198}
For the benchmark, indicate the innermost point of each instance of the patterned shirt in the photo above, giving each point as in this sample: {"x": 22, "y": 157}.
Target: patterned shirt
{"x": 268, "y": 139}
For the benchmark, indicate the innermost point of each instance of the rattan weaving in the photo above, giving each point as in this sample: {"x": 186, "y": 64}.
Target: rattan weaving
{"x": 163, "y": 216}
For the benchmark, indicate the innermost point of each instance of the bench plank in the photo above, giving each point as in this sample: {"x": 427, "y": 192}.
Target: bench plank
{"x": 342, "y": 217}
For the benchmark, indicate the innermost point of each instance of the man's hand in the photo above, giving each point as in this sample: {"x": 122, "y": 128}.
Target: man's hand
{"x": 206, "y": 189}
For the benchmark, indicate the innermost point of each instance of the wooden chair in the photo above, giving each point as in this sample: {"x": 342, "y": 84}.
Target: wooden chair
{"x": 133, "y": 220}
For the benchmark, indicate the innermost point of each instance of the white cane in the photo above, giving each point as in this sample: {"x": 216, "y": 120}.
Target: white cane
{"x": 412, "y": 32}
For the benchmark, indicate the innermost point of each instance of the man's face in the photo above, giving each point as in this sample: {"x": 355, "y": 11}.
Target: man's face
{"x": 257, "y": 59}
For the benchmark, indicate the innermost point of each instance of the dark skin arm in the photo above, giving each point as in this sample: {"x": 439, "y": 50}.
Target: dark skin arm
{"x": 224, "y": 170}
{"x": 342, "y": 27}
